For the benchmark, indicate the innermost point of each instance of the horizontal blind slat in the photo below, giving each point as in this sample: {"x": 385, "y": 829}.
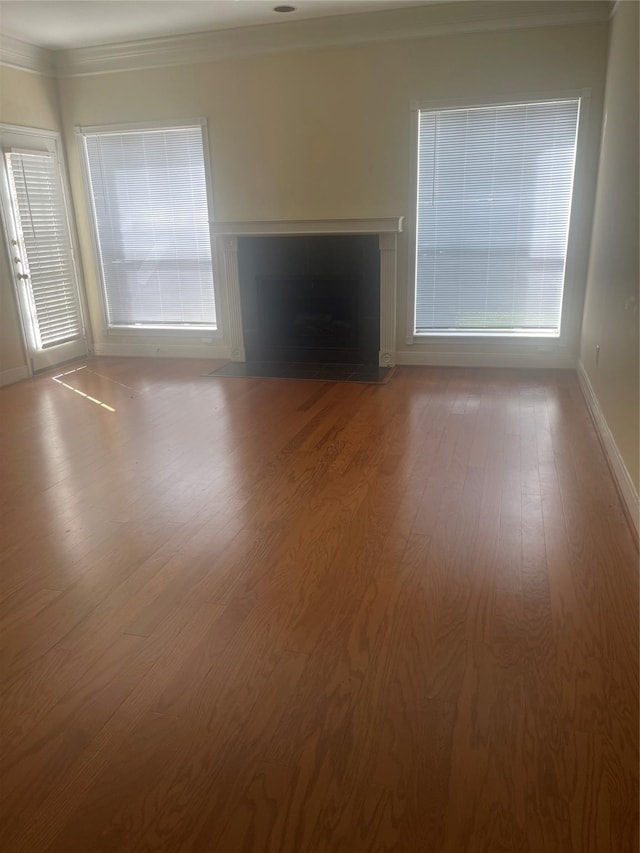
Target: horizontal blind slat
{"x": 494, "y": 197}
{"x": 152, "y": 219}
{"x": 35, "y": 186}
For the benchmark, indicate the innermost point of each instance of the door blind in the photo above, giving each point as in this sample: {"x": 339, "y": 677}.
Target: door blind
{"x": 494, "y": 199}
{"x": 152, "y": 220}
{"x": 35, "y": 186}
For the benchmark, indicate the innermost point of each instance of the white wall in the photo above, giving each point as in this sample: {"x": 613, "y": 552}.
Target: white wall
{"x": 611, "y": 308}
{"x": 326, "y": 134}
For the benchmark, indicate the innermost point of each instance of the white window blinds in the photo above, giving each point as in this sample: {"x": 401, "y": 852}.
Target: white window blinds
{"x": 38, "y": 200}
{"x": 152, "y": 220}
{"x": 494, "y": 198}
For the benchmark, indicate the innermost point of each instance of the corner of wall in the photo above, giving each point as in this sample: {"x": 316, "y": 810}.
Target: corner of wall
{"x": 608, "y": 368}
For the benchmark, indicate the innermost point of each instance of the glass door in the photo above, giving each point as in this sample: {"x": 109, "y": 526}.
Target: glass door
{"x": 39, "y": 243}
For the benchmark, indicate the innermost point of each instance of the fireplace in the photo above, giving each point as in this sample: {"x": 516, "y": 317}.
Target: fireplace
{"x": 313, "y": 298}
{"x": 340, "y": 295}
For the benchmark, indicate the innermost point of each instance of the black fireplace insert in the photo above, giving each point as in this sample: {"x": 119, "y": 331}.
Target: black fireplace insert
{"x": 310, "y": 298}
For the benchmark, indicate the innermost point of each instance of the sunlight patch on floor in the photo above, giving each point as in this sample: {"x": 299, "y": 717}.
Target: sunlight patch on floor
{"x": 77, "y": 391}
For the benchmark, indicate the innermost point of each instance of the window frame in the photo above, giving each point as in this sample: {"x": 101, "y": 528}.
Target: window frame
{"x": 201, "y": 332}
{"x": 571, "y": 292}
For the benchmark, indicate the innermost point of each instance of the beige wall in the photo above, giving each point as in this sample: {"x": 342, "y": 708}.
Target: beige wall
{"x": 326, "y": 133}
{"x": 611, "y": 308}
{"x": 29, "y": 100}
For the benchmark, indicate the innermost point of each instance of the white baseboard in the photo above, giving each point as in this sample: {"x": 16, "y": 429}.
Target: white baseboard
{"x": 149, "y": 350}
{"x": 551, "y": 360}
{"x": 16, "y": 374}
{"x": 622, "y": 477}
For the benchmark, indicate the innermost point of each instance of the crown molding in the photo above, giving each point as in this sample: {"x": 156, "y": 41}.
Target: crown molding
{"x": 26, "y": 57}
{"x": 614, "y": 5}
{"x": 337, "y": 31}
{"x": 472, "y": 16}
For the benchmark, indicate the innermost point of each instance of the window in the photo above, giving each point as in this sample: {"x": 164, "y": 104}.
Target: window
{"x": 149, "y": 194}
{"x": 494, "y": 199}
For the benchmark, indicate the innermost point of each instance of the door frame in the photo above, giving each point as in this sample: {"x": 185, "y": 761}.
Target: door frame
{"x": 51, "y": 137}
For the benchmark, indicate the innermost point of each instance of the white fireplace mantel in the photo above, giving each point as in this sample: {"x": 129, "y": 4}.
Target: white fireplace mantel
{"x": 227, "y": 234}
{"x": 392, "y": 224}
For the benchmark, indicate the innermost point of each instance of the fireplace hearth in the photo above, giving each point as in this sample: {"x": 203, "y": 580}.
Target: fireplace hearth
{"x": 310, "y": 299}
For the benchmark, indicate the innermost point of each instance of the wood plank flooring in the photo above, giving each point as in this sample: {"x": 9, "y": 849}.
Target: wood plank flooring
{"x": 270, "y": 616}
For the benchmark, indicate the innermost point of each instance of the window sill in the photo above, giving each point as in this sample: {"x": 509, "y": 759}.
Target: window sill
{"x": 164, "y": 331}
{"x": 423, "y": 337}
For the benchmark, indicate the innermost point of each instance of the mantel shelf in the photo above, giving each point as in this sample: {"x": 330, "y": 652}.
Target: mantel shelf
{"x": 393, "y": 224}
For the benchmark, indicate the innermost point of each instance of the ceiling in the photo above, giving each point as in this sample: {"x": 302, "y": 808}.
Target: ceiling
{"x": 62, "y": 24}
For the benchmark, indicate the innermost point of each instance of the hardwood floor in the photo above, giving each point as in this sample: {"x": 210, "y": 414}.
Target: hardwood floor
{"x": 270, "y": 616}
